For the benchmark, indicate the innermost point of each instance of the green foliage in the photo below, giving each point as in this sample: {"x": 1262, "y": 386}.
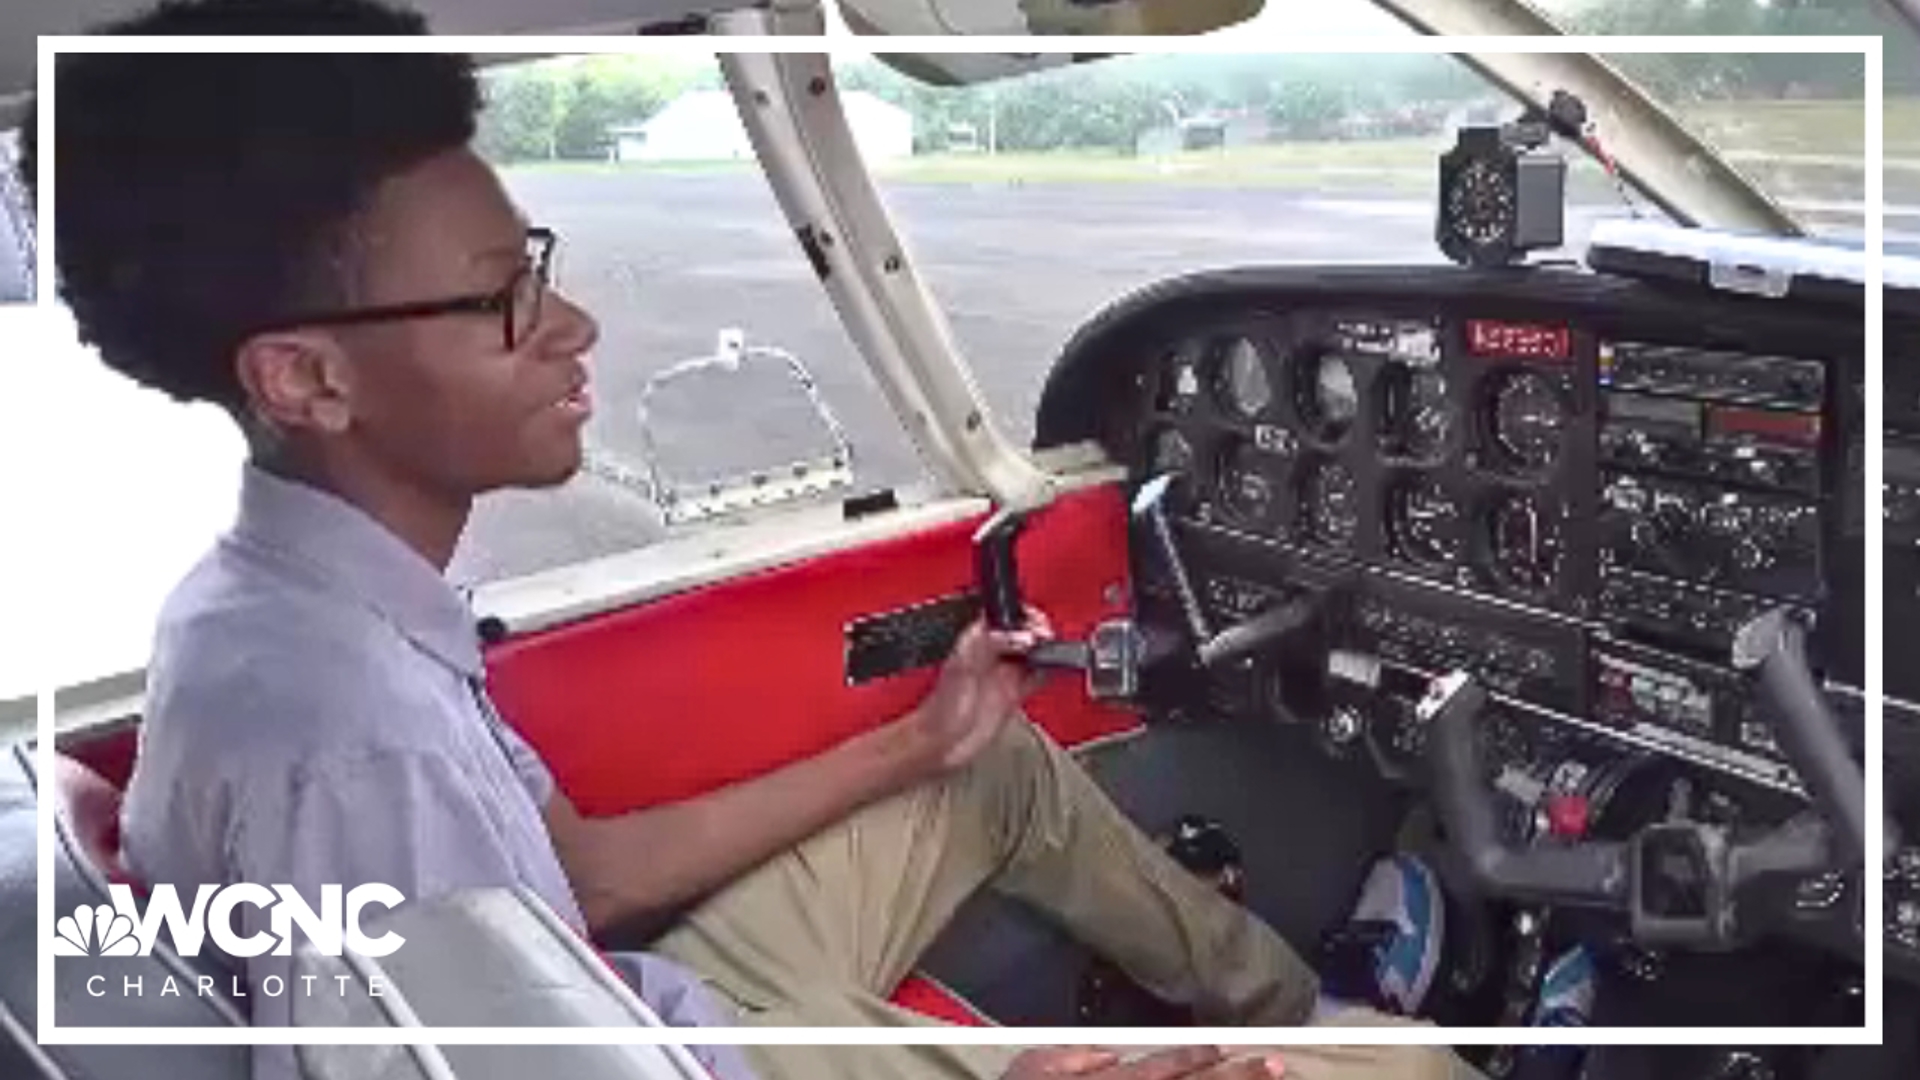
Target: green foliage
{"x": 606, "y": 91}
{"x": 524, "y": 107}
{"x": 548, "y": 110}
{"x": 1109, "y": 105}
{"x": 562, "y": 109}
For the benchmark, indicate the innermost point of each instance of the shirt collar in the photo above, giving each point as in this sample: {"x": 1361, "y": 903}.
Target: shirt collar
{"x": 363, "y": 559}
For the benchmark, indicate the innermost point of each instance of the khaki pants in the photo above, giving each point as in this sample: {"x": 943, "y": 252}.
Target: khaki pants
{"x": 821, "y": 934}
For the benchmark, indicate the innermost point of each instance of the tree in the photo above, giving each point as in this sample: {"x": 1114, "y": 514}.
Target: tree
{"x": 562, "y": 108}
{"x": 1303, "y": 109}
{"x": 521, "y": 120}
{"x": 605, "y": 91}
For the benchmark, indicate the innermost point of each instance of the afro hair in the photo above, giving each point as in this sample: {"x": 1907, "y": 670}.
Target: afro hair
{"x": 200, "y": 196}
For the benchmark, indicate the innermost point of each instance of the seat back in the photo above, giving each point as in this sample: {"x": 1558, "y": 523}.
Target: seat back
{"x": 90, "y": 810}
{"x": 77, "y": 881}
{"x": 482, "y": 958}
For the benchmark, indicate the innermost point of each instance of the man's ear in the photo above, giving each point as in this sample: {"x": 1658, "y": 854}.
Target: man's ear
{"x": 297, "y": 380}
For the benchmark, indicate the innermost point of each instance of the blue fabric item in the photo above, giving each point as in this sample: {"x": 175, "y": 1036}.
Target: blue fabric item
{"x": 1567, "y": 991}
{"x": 1402, "y": 892}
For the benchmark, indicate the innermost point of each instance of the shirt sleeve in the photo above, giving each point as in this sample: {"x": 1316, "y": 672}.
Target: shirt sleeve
{"x": 398, "y": 818}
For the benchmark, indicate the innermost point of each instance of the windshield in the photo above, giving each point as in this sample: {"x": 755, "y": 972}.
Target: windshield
{"x": 1031, "y": 203}
{"x": 1806, "y": 145}
{"x": 1036, "y": 201}
{"x": 670, "y": 236}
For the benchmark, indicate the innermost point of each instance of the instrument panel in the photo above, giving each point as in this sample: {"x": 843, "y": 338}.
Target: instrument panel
{"x": 1579, "y": 486}
{"x": 1443, "y": 450}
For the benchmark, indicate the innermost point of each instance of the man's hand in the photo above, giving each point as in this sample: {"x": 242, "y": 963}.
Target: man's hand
{"x": 1180, "y": 1063}
{"x": 979, "y": 690}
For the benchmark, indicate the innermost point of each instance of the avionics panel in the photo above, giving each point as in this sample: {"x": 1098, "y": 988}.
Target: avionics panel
{"x": 1504, "y": 459}
{"x": 1714, "y": 483}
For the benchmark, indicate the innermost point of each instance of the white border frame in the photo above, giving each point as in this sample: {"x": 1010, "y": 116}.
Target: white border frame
{"x": 48, "y": 1032}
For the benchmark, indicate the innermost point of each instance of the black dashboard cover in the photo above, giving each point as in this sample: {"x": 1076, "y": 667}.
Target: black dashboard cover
{"x": 1091, "y": 368}
{"x": 1093, "y": 390}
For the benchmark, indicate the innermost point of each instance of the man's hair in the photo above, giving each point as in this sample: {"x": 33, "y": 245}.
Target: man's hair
{"x": 200, "y": 197}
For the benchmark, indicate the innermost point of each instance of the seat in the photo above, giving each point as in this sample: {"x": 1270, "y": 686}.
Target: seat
{"x": 90, "y": 807}
{"x": 928, "y": 996}
{"x": 482, "y": 958}
{"x": 91, "y": 794}
{"x": 79, "y": 880}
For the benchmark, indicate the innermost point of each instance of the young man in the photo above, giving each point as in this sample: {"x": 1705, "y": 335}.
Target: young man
{"x": 308, "y": 242}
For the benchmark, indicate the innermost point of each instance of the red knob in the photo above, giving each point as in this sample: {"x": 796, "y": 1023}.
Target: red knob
{"x": 1568, "y": 816}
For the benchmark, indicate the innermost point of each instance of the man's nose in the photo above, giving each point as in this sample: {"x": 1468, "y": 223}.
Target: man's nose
{"x": 575, "y": 331}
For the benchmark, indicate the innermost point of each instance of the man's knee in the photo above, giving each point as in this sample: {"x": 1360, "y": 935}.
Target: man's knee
{"x": 1010, "y": 781}
{"x": 1017, "y": 754}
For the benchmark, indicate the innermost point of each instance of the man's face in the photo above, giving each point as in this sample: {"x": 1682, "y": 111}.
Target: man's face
{"x": 443, "y": 401}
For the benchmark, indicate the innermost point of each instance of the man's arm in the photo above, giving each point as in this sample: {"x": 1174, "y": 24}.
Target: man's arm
{"x": 652, "y": 860}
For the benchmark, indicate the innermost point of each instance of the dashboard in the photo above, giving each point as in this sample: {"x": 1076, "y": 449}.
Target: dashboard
{"x": 1577, "y": 486}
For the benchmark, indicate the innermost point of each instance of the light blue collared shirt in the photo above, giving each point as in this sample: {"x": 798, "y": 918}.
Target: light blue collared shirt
{"x": 315, "y": 715}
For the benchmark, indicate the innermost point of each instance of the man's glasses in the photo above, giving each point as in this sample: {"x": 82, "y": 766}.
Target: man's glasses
{"x": 517, "y": 303}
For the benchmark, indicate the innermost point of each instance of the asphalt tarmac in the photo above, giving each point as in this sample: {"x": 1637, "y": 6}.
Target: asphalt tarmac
{"x": 665, "y": 261}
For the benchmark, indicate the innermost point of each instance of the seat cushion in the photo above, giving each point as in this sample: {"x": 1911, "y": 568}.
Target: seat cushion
{"x": 90, "y": 804}
{"x": 20, "y": 934}
{"x": 928, "y": 997}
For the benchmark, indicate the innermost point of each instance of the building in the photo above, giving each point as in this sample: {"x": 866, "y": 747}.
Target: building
{"x": 702, "y": 125}
{"x": 1213, "y": 131}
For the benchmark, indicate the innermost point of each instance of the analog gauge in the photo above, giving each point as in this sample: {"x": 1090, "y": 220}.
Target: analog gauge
{"x": 1170, "y": 452}
{"x": 1480, "y": 203}
{"x": 1524, "y": 543}
{"x": 1528, "y": 418}
{"x": 1417, "y": 414}
{"x": 1246, "y": 489}
{"x": 1329, "y": 395}
{"x": 1330, "y": 504}
{"x": 1425, "y": 522}
{"x": 1242, "y": 379}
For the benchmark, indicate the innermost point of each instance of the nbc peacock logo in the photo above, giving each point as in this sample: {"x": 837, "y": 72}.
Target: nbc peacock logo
{"x": 122, "y": 928}
{"x": 95, "y": 931}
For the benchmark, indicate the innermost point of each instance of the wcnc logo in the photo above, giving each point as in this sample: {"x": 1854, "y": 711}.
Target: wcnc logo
{"x": 122, "y": 929}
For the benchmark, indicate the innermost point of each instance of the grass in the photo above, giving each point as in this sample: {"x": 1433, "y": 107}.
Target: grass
{"x": 1807, "y": 127}
{"x": 1301, "y": 164}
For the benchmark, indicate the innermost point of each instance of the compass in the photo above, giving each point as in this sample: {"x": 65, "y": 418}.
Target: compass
{"x": 1501, "y": 195}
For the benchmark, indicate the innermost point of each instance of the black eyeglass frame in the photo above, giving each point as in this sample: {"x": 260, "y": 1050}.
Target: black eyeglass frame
{"x": 498, "y": 302}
